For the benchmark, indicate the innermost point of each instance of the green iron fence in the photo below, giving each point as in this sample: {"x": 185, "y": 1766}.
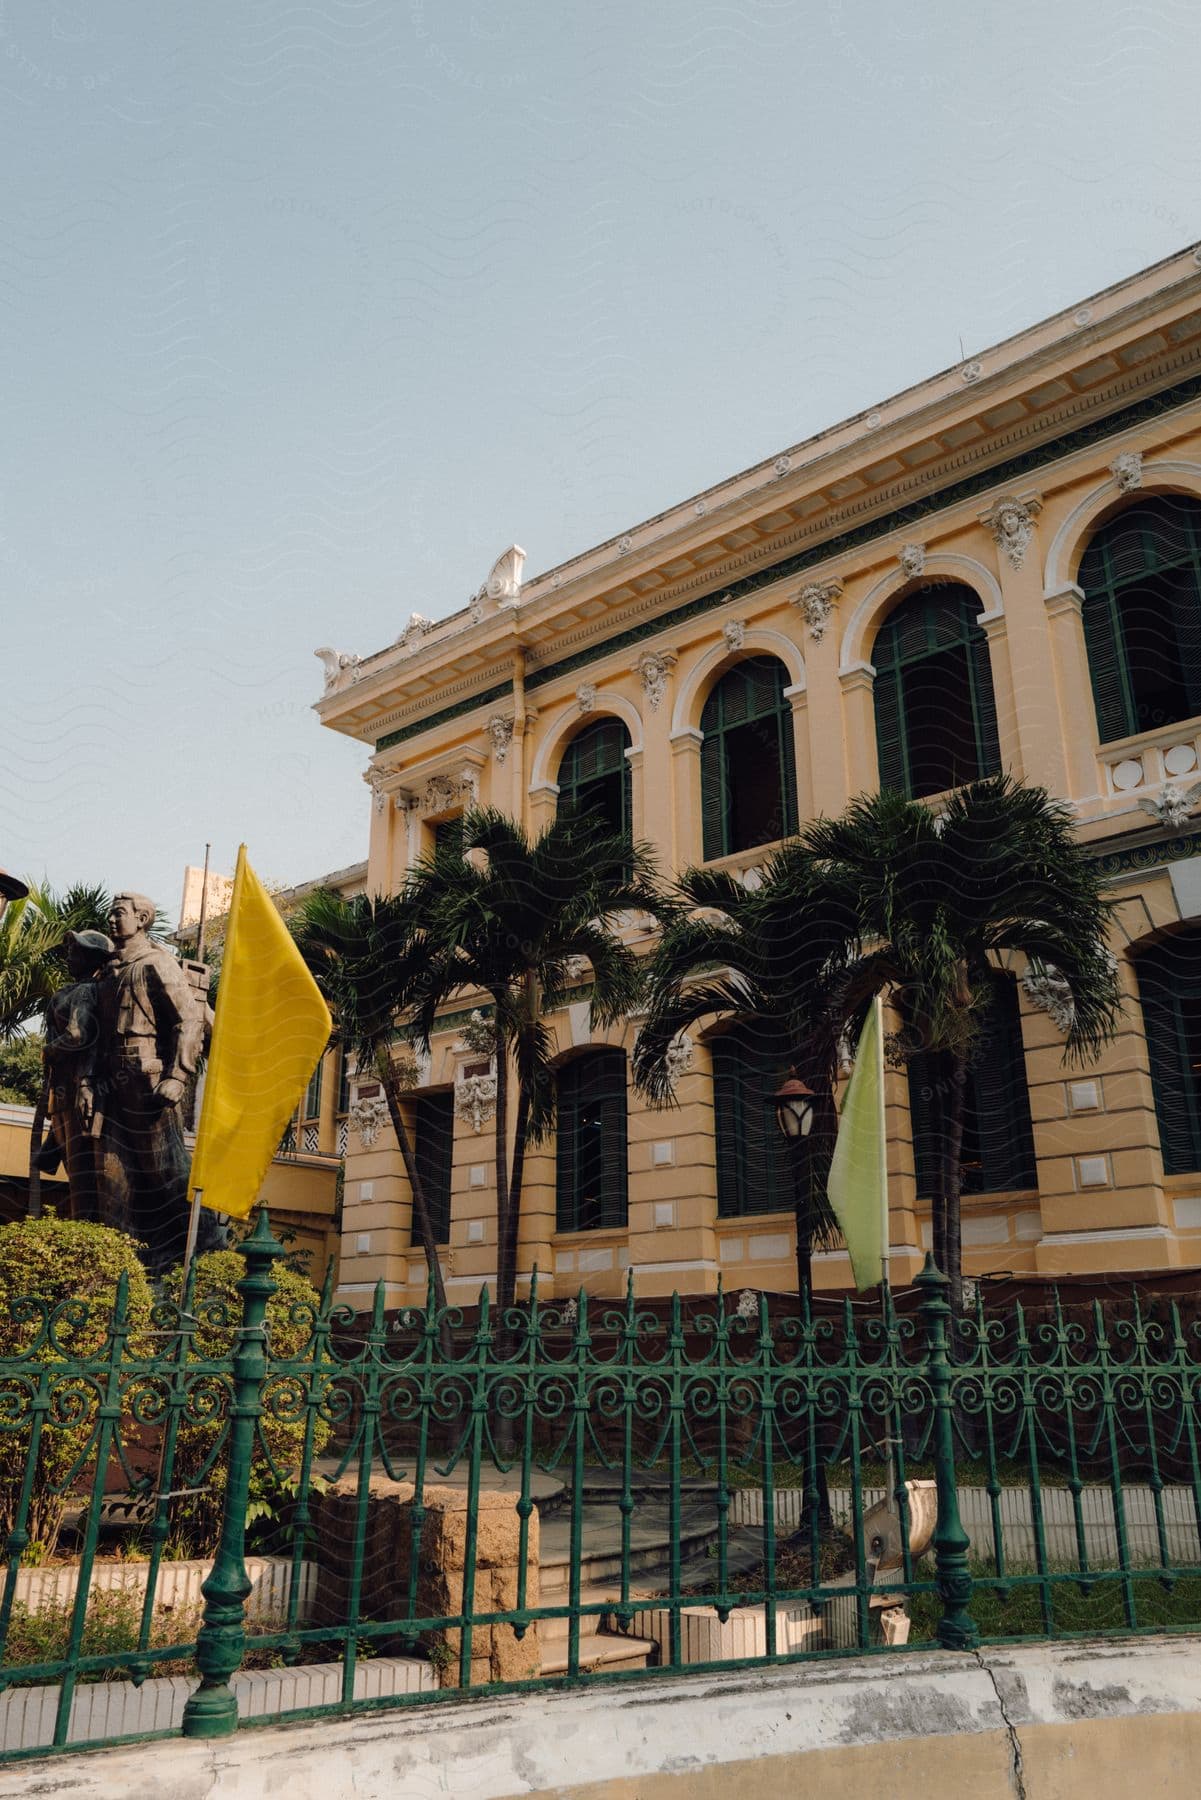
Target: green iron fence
{"x": 575, "y": 1492}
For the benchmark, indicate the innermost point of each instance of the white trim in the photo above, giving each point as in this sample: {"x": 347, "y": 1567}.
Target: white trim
{"x": 570, "y": 722}
{"x": 1074, "y": 526}
{"x": 664, "y": 1268}
{"x": 966, "y": 568}
{"x": 757, "y": 638}
{"x": 1126, "y": 1234}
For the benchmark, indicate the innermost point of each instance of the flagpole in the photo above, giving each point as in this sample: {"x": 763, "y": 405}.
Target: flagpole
{"x": 890, "y": 1472}
{"x": 193, "y": 1232}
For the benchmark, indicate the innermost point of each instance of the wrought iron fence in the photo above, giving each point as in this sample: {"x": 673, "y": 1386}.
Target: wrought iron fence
{"x": 571, "y": 1492}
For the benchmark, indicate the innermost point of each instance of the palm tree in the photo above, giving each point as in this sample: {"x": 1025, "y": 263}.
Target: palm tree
{"x": 362, "y": 953}
{"x": 756, "y": 957}
{"x": 510, "y": 917}
{"x": 33, "y": 965}
{"x": 940, "y": 903}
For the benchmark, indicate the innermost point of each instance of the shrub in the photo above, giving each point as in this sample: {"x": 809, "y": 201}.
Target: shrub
{"x": 291, "y": 1313}
{"x": 58, "y": 1286}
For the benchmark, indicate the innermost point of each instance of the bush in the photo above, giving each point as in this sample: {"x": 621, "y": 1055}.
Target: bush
{"x": 291, "y": 1313}
{"x": 58, "y": 1286}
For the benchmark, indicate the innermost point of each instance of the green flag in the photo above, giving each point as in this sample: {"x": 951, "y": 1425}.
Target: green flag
{"x": 858, "y": 1184}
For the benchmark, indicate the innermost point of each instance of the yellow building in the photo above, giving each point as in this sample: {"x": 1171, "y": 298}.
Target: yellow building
{"x": 999, "y": 568}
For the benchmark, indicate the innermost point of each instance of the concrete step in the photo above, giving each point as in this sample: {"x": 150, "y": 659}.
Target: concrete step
{"x": 599, "y": 1650}
{"x": 551, "y": 1631}
{"x": 600, "y": 1562}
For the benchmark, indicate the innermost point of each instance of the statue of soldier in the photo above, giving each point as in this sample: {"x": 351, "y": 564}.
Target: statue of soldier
{"x": 151, "y": 1034}
{"x": 72, "y": 1042}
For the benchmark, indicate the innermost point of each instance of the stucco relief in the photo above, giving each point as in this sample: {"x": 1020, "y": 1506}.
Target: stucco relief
{"x": 817, "y": 600}
{"x": 1011, "y": 522}
{"x": 653, "y": 667}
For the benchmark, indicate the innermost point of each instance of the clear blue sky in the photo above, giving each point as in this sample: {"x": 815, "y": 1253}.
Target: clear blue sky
{"x": 307, "y": 311}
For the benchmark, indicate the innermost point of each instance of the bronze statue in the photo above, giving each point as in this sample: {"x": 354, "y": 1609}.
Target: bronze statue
{"x": 151, "y": 1030}
{"x": 72, "y": 1043}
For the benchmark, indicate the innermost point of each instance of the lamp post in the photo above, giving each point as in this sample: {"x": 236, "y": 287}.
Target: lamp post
{"x": 794, "y": 1106}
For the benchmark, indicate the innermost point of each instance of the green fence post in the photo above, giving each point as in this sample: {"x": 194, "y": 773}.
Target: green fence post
{"x": 212, "y": 1711}
{"x": 957, "y": 1630}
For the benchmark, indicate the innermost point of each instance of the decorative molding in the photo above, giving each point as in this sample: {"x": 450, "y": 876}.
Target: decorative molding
{"x": 1173, "y": 805}
{"x": 368, "y": 1117}
{"x": 477, "y": 1034}
{"x": 817, "y": 600}
{"x": 475, "y": 1100}
{"x": 653, "y": 667}
{"x": 1127, "y": 470}
{"x": 375, "y": 781}
{"x": 585, "y": 696}
{"x": 342, "y": 667}
{"x": 1052, "y": 993}
{"x": 971, "y": 372}
{"x": 414, "y": 633}
{"x": 678, "y": 1057}
{"x": 1011, "y": 522}
{"x": 912, "y": 558}
{"x": 500, "y": 730}
{"x": 748, "y": 1304}
{"x": 734, "y": 632}
{"x": 504, "y": 578}
{"x": 625, "y": 545}
{"x": 781, "y": 466}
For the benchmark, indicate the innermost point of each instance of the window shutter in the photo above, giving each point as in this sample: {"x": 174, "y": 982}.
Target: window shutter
{"x": 984, "y": 705}
{"x": 891, "y": 760}
{"x": 1106, "y": 656}
{"x": 1169, "y": 976}
{"x": 611, "y": 1074}
{"x": 713, "y": 799}
{"x": 788, "y": 799}
{"x": 567, "y": 1119}
{"x": 922, "y": 1123}
{"x": 728, "y": 1132}
{"x": 433, "y": 1152}
{"x": 1000, "y": 1097}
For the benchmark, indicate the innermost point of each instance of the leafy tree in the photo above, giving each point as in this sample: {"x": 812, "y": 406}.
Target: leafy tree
{"x": 33, "y": 965}
{"x": 755, "y": 957}
{"x": 58, "y": 1286}
{"x": 21, "y": 1068}
{"x": 939, "y": 902}
{"x": 511, "y": 917}
{"x": 363, "y": 955}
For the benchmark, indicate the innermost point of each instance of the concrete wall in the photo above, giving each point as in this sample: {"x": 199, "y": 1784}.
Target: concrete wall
{"x": 1041, "y": 1722}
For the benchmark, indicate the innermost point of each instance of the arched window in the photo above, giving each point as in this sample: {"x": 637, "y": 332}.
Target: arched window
{"x": 748, "y": 765}
{"x": 936, "y": 719}
{"x": 997, "y": 1151}
{"x": 1141, "y": 577}
{"x": 591, "y": 1187}
{"x": 1169, "y": 980}
{"x": 594, "y": 776}
{"x": 434, "y": 1150}
{"x": 753, "y": 1170}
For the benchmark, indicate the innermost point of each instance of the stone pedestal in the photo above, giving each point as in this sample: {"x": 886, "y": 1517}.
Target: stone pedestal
{"x": 497, "y": 1654}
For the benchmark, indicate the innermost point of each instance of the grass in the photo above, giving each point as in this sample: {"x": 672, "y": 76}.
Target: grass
{"x": 1095, "y": 1605}
{"x": 37, "y": 1636}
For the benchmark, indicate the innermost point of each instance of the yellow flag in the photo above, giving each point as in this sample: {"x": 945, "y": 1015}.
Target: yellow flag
{"x": 271, "y": 1029}
{"x": 858, "y": 1184}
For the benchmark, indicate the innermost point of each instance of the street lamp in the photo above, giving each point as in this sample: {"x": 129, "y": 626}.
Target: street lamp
{"x": 794, "y": 1106}
{"x": 11, "y": 888}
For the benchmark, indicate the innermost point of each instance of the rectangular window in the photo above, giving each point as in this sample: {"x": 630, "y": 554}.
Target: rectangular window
{"x": 433, "y": 1150}
{"x": 591, "y": 1178}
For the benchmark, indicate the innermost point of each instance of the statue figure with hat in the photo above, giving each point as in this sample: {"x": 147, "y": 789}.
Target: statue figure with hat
{"x": 151, "y": 1033}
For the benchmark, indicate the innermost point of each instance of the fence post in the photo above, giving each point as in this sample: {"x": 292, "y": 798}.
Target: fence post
{"x": 957, "y": 1630}
{"x": 212, "y": 1711}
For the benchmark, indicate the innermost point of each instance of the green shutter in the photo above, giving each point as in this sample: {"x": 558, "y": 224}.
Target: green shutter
{"x": 891, "y": 760}
{"x": 984, "y": 704}
{"x": 754, "y": 1173}
{"x": 788, "y": 772}
{"x": 922, "y": 1122}
{"x": 1169, "y": 978}
{"x": 433, "y": 1151}
{"x": 1000, "y": 1097}
{"x": 1106, "y": 658}
{"x": 713, "y": 798}
{"x": 595, "y": 1081}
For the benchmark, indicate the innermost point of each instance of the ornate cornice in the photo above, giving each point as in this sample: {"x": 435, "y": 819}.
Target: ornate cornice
{"x": 726, "y": 584}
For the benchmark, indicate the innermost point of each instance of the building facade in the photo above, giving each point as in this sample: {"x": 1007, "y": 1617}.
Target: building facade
{"x": 997, "y": 569}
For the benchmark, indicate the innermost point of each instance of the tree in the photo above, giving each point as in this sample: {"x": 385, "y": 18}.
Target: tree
{"x": 363, "y": 953}
{"x": 939, "y": 904}
{"x": 33, "y": 965}
{"x": 512, "y": 918}
{"x": 21, "y": 1068}
{"x": 755, "y": 957}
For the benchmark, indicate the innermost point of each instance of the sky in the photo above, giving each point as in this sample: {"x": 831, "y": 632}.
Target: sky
{"x": 308, "y": 311}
